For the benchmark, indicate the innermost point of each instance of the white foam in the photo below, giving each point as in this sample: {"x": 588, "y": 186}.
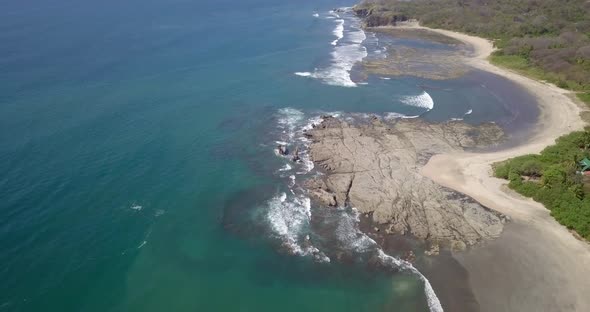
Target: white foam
{"x": 348, "y": 50}
{"x": 142, "y": 244}
{"x": 349, "y": 234}
{"x": 286, "y": 167}
{"x": 303, "y": 74}
{"x": 385, "y": 78}
{"x": 393, "y": 115}
{"x": 423, "y": 100}
{"x": 307, "y": 163}
{"x": 316, "y": 15}
{"x": 293, "y": 125}
{"x": 357, "y": 36}
{"x": 431, "y": 298}
{"x": 469, "y": 112}
{"x": 289, "y": 220}
{"x": 334, "y": 14}
{"x": 136, "y": 207}
{"x": 343, "y": 59}
{"x": 289, "y": 119}
{"x": 289, "y": 215}
{"x": 312, "y": 122}
{"x": 338, "y": 31}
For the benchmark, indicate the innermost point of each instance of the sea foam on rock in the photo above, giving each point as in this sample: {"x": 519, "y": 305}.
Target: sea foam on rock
{"x": 375, "y": 168}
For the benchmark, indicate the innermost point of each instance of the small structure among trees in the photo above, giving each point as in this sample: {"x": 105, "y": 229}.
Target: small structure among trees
{"x": 585, "y": 166}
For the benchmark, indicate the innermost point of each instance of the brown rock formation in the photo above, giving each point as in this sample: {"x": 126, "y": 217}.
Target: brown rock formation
{"x": 375, "y": 168}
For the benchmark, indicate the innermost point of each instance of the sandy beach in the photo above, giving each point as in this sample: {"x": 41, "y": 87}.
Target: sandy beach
{"x": 537, "y": 264}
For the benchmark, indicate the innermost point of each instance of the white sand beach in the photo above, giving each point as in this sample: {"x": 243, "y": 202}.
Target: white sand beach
{"x": 537, "y": 265}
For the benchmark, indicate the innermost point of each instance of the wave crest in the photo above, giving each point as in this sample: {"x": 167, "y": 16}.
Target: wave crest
{"x": 348, "y": 50}
{"x": 289, "y": 214}
{"x": 423, "y": 100}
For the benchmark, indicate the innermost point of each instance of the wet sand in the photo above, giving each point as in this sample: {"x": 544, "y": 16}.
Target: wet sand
{"x": 536, "y": 264}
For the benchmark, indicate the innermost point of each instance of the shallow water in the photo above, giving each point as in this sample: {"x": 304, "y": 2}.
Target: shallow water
{"x": 137, "y": 154}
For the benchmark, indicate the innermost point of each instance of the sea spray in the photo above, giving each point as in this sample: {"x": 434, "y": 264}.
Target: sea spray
{"x": 348, "y": 50}
{"x": 431, "y": 298}
{"x": 338, "y": 31}
{"x": 393, "y": 115}
{"x": 423, "y": 100}
{"x": 353, "y": 238}
{"x": 289, "y": 213}
{"x": 288, "y": 218}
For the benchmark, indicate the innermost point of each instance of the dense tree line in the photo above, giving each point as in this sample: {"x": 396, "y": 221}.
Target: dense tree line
{"x": 548, "y": 38}
{"x": 553, "y": 179}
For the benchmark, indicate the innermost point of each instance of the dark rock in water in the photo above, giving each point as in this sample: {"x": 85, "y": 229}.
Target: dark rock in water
{"x": 282, "y": 150}
{"x": 409, "y": 256}
{"x": 296, "y": 157}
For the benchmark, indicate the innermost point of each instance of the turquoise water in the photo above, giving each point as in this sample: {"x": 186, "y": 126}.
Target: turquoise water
{"x": 136, "y": 155}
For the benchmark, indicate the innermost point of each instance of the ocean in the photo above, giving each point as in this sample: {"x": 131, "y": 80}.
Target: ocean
{"x": 137, "y": 160}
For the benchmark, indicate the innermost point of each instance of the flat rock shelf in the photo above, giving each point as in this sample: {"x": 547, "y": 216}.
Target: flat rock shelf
{"x": 375, "y": 168}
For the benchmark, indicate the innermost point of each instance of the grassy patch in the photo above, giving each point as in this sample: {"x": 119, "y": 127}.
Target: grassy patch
{"x": 522, "y": 65}
{"x": 584, "y": 97}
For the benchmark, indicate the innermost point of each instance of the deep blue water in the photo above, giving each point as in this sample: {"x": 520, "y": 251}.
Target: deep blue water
{"x": 135, "y": 162}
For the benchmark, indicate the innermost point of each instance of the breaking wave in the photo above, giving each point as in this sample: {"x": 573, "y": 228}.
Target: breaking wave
{"x": 288, "y": 121}
{"x": 348, "y": 50}
{"x": 351, "y": 238}
{"x": 431, "y": 298}
{"x": 303, "y": 74}
{"x": 289, "y": 219}
{"x": 334, "y": 14}
{"x": 423, "y": 100}
{"x": 469, "y": 112}
{"x": 338, "y": 31}
{"x": 390, "y": 116}
{"x": 289, "y": 213}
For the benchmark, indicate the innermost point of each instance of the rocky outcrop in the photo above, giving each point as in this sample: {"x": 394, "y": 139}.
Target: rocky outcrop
{"x": 435, "y": 64}
{"x": 374, "y": 167}
{"x": 374, "y": 16}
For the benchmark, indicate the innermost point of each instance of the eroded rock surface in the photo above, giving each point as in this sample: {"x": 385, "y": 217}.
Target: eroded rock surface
{"x": 402, "y": 60}
{"x": 374, "y": 167}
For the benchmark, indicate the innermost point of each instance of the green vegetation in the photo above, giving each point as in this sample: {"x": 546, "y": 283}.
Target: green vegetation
{"x": 546, "y": 39}
{"x": 552, "y": 179}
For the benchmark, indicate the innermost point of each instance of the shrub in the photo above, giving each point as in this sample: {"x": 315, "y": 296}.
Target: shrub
{"x": 561, "y": 189}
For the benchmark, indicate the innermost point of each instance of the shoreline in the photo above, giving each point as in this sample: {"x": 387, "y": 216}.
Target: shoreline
{"x": 537, "y": 265}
